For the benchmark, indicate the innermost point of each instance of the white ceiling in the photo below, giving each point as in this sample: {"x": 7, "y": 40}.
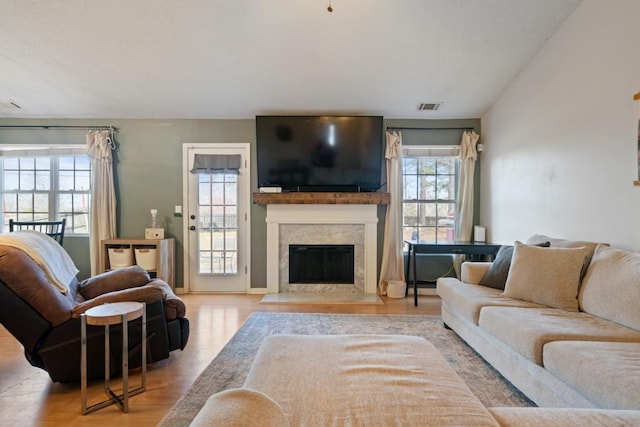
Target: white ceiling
{"x": 240, "y": 58}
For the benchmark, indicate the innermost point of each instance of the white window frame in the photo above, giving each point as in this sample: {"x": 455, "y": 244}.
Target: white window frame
{"x": 53, "y": 153}
{"x": 430, "y": 151}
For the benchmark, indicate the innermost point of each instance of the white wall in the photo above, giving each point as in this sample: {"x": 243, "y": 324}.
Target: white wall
{"x": 561, "y": 142}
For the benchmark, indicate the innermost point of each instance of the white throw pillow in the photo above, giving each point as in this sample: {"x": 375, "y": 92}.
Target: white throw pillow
{"x": 547, "y": 276}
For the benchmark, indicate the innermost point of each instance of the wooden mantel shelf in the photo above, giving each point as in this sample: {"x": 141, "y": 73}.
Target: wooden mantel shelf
{"x": 321, "y": 198}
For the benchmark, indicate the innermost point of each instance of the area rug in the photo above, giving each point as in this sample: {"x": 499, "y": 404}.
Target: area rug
{"x": 230, "y": 367}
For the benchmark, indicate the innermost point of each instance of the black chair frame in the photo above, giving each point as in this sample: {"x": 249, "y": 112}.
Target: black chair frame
{"x": 55, "y": 229}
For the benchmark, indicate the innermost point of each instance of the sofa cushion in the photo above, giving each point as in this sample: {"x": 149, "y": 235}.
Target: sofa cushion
{"x": 611, "y": 287}
{"x": 527, "y": 330}
{"x": 496, "y": 276}
{"x": 607, "y": 373}
{"x": 363, "y": 380}
{"x": 564, "y": 243}
{"x": 114, "y": 280}
{"x": 547, "y": 276}
{"x": 546, "y": 417}
{"x": 240, "y": 407}
{"x": 467, "y": 300}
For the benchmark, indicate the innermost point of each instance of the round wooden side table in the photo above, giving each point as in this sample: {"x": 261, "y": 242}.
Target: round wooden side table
{"x": 107, "y": 315}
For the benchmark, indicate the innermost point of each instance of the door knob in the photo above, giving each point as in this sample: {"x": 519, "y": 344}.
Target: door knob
{"x": 192, "y": 228}
{"x": 192, "y": 217}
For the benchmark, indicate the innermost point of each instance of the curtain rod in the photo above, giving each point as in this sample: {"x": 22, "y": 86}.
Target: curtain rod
{"x": 428, "y": 128}
{"x": 111, "y": 128}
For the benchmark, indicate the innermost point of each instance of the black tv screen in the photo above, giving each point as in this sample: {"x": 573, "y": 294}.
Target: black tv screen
{"x": 320, "y": 153}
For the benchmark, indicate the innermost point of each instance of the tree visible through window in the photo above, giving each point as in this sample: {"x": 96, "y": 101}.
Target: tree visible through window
{"x": 429, "y": 198}
{"x": 47, "y": 188}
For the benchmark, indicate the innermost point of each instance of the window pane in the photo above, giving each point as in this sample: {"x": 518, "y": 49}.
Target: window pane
{"x": 204, "y": 193}
{"x": 43, "y": 180}
{"x": 65, "y": 202}
{"x": 83, "y": 163}
{"x": 231, "y": 193}
{"x": 217, "y": 216}
{"x": 427, "y": 187}
{"x": 446, "y": 166}
{"x": 25, "y": 202}
{"x": 218, "y": 193}
{"x": 10, "y": 203}
{"x": 65, "y": 182}
{"x": 66, "y": 163}
{"x": 27, "y": 163}
{"x": 82, "y": 203}
{"x": 427, "y": 165}
{"x": 27, "y": 180}
{"x": 446, "y": 187}
{"x": 231, "y": 214}
{"x": 410, "y": 213}
{"x": 204, "y": 216}
{"x": 410, "y": 165}
{"x": 10, "y": 180}
{"x": 41, "y": 202}
{"x": 43, "y": 163}
{"x": 83, "y": 181}
{"x": 410, "y": 187}
{"x": 428, "y": 214}
{"x": 11, "y": 163}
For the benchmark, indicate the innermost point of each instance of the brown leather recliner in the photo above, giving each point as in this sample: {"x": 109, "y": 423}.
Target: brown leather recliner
{"x": 47, "y": 322}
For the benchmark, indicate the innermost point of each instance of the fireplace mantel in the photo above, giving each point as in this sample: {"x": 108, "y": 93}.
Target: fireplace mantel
{"x": 321, "y": 198}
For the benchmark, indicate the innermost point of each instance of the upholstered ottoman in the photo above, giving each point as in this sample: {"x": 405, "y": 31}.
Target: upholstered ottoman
{"x": 363, "y": 380}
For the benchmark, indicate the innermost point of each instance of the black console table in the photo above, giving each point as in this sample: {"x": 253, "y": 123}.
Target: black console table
{"x": 453, "y": 248}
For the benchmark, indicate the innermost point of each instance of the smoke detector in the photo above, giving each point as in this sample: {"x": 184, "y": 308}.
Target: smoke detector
{"x": 429, "y": 106}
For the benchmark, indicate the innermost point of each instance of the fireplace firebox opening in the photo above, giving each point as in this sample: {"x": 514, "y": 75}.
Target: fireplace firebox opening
{"x": 321, "y": 264}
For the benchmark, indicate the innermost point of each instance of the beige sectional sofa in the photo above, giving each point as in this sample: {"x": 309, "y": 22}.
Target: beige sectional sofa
{"x": 573, "y": 350}
{"x": 565, "y": 332}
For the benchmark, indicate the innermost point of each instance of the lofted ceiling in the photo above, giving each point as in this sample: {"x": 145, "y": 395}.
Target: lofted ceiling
{"x": 241, "y": 58}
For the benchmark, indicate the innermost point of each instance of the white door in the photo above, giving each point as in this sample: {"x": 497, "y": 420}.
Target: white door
{"x": 216, "y": 222}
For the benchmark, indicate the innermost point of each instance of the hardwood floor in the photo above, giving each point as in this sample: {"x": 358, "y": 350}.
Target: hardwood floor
{"x": 28, "y": 397}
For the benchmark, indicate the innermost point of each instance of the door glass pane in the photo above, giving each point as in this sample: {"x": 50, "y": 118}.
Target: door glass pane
{"x": 217, "y": 222}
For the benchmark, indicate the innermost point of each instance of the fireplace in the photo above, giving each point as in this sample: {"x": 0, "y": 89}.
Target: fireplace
{"x": 325, "y": 264}
{"x": 326, "y": 225}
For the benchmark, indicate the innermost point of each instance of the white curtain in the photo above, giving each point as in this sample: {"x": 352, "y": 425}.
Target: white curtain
{"x": 392, "y": 267}
{"x": 103, "y": 199}
{"x": 464, "y": 202}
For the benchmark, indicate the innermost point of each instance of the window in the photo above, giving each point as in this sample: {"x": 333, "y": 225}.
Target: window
{"x": 429, "y": 194}
{"x": 42, "y": 188}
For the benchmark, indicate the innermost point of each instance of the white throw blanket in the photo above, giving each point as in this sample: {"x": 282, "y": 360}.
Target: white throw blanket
{"x": 47, "y": 253}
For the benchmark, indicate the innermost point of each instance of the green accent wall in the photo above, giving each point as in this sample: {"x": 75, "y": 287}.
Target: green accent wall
{"x": 148, "y": 171}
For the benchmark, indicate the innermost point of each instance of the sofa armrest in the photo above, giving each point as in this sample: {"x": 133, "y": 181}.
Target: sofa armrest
{"x": 146, "y": 294}
{"x": 174, "y": 307}
{"x": 473, "y": 271}
{"x": 114, "y": 280}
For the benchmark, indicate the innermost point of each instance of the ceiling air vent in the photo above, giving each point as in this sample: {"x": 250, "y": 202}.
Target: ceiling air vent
{"x": 429, "y": 106}
{"x": 10, "y": 104}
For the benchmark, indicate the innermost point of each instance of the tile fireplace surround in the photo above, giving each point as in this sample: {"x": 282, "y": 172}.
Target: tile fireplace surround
{"x": 322, "y": 218}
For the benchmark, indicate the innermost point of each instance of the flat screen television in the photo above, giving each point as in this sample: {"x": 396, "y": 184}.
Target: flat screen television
{"x": 320, "y": 153}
